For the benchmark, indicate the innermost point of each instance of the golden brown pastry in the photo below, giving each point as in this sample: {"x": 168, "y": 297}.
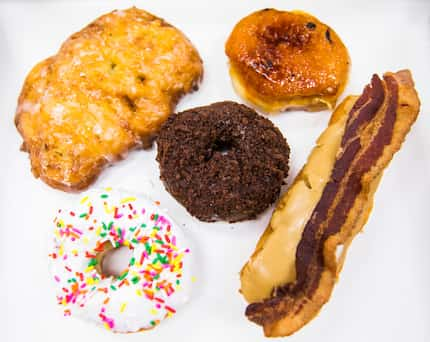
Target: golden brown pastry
{"x": 107, "y": 90}
{"x": 281, "y": 60}
{"x": 297, "y": 260}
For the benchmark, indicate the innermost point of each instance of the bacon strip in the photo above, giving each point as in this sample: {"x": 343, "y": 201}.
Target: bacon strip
{"x": 376, "y": 126}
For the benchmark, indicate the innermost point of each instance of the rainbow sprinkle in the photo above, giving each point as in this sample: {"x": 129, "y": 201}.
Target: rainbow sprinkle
{"x": 154, "y": 270}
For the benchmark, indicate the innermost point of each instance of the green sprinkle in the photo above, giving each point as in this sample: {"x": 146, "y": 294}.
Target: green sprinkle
{"x": 143, "y": 225}
{"x": 177, "y": 282}
{"x": 103, "y": 234}
{"x": 156, "y": 228}
{"x": 110, "y": 225}
{"x": 159, "y": 242}
{"x": 104, "y": 196}
{"x": 83, "y": 215}
{"x": 104, "y": 226}
{"x": 132, "y": 261}
{"x": 132, "y": 229}
{"x": 113, "y": 287}
{"x": 152, "y": 323}
{"x": 156, "y": 276}
{"x": 93, "y": 288}
{"x": 117, "y": 244}
{"x": 93, "y": 262}
{"x": 155, "y": 217}
{"x": 135, "y": 280}
{"x": 148, "y": 248}
{"x": 72, "y": 280}
{"x": 134, "y": 240}
{"x": 122, "y": 276}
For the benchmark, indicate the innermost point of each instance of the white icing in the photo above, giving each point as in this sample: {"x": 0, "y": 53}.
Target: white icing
{"x": 128, "y": 308}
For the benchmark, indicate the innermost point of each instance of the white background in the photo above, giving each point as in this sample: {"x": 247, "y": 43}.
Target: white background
{"x": 384, "y": 290}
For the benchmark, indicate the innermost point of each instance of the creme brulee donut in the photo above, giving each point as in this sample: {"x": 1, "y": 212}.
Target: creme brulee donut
{"x": 223, "y": 161}
{"x": 281, "y": 60}
{"x": 158, "y": 277}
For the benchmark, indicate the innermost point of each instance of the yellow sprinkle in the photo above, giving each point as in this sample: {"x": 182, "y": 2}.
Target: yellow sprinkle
{"x": 75, "y": 252}
{"x": 106, "y": 326}
{"x": 98, "y": 230}
{"x": 139, "y": 292}
{"x": 57, "y": 234}
{"x": 107, "y": 210}
{"x": 126, "y": 243}
{"x": 61, "y": 250}
{"x": 122, "y": 308}
{"x": 193, "y": 279}
{"x": 127, "y": 199}
{"x": 153, "y": 312}
{"x": 85, "y": 240}
{"x": 64, "y": 302}
{"x": 88, "y": 269}
{"x": 83, "y": 200}
{"x": 108, "y": 189}
{"x": 178, "y": 258}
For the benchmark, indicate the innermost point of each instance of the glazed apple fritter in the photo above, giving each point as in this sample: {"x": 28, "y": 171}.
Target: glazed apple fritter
{"x": 107, "y": 90}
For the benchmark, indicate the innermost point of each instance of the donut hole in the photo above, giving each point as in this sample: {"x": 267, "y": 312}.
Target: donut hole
{"x": 221, "y": 146}
{"x": 114, "y": 261}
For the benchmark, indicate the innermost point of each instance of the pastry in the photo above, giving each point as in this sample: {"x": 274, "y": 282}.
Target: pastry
{"x": 223, "y": 161}
{"x": 297, "y": 260}
{"x": 281, "y": 60}
{"x": 157, "y": 280}
{"x": 106, "y": 91}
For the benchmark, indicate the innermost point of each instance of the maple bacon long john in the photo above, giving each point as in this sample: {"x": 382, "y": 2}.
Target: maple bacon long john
{"x": 296, "y": 262}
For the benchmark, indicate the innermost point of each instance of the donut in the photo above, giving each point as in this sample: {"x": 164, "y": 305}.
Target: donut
{"x": 156, "y": 281}
{"x": 281, "y": 60}
{"x": 223, "y": 161}
{"x": 105, "y": 92}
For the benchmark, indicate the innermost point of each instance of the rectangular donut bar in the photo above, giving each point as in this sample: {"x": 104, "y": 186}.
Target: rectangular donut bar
{"x": 373, "y": 127}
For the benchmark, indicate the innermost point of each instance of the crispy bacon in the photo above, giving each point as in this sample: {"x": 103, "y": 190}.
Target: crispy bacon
{"x": 374, "y": 131}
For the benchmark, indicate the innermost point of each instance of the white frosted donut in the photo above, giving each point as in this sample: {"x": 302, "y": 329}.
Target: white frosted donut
{"x": 155, "y": 283}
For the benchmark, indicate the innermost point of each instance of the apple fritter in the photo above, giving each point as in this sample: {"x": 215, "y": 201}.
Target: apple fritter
{"x": 107, "y": 90}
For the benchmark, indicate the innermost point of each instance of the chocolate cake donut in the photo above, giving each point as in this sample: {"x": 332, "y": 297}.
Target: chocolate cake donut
{"x": 223, "y": 161}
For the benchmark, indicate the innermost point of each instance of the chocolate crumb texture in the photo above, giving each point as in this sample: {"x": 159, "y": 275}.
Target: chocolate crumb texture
{"x": 223, "y": 161}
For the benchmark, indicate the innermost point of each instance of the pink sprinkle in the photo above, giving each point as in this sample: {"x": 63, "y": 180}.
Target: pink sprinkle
{"x": 57, "y": 278}
{"x": 76, "y": 230}
{"x": 174, "y": 240}
{"x": 143, "y": 210}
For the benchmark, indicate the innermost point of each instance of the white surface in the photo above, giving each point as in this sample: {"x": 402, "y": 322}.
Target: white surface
{"x": 383, "y": 293}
